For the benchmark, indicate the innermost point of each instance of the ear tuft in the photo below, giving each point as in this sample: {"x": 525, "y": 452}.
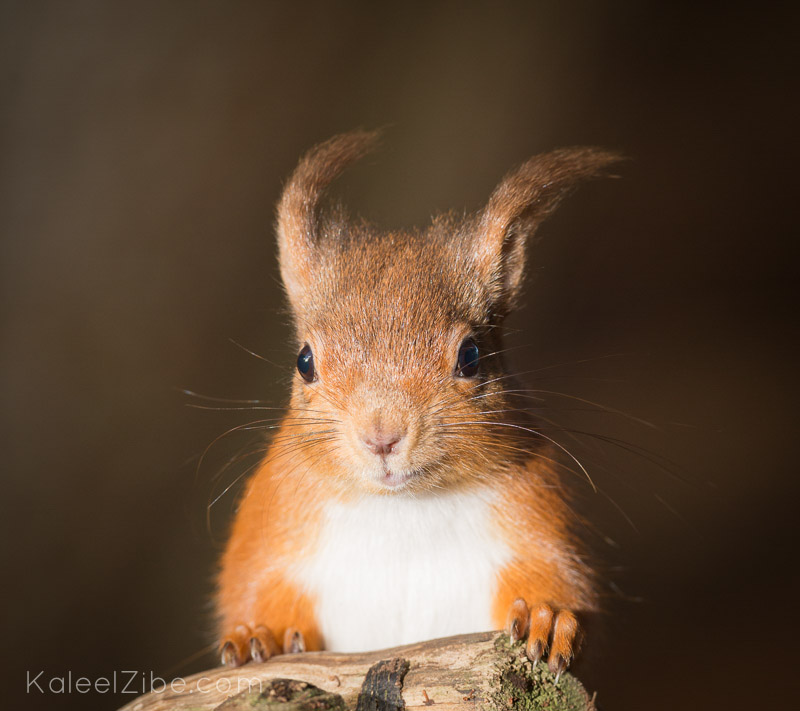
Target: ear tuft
{"x": 299, "y": 206}
{"x": 519, "y": 204}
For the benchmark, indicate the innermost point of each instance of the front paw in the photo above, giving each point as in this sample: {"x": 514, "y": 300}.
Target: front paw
{"x": 543, "y": 629}
{"x": 257, "y": 643}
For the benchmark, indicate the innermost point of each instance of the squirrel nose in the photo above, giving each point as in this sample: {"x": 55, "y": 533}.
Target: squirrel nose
{"x": 382, "y": 443}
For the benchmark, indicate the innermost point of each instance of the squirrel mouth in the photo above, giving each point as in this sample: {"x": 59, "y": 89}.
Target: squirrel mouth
{"x": 394, "y": 479}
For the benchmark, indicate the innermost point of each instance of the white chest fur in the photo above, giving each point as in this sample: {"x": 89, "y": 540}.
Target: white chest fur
{"x": 394, "y": 570}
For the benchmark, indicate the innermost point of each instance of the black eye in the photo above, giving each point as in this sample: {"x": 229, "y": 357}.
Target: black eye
{"x": 305, "y": 363}
{"x": 468, "y": 356}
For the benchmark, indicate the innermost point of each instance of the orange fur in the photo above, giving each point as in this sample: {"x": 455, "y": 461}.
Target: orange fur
{"x": 547, "y": 566}
{"x": 250, "y": 592}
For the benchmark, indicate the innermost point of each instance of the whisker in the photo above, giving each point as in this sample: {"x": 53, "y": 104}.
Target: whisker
{"x": 243, "y": 454}
{"x": 281, "y": 452}
{"x": 254, "y": 354}
{"x": 539, "y": 433}
{"x": 604, "y": 408}
{"x": 286, "y": 475}
{"x": 580, "y": 361}
{"x": 501, "y": 445}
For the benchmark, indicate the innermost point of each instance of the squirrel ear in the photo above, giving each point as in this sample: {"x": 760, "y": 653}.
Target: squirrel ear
{"x": 299, "y": 206}
{"x": 522, "y": 200}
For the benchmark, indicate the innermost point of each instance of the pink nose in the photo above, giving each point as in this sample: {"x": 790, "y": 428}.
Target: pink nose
{"x": 382, "y": 443}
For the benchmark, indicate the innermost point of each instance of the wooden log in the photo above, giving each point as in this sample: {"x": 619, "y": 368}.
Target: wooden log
{"x": 475, "y": 671}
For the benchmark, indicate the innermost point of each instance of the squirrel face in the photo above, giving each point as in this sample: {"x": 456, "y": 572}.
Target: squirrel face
{"x": 384, "y": 319}
{"x": 398, "y": 333}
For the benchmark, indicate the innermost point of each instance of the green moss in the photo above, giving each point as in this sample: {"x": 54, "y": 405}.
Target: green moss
{"x": 517, "y": 686}
{"x": 285, "y": 695}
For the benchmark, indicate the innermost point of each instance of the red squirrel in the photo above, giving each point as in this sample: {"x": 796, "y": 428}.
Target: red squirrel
{"x": 405, "y": 495}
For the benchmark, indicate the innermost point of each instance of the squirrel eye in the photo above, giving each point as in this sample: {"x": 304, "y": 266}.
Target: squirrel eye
{"x": 305, "y": 364}
{"x": 468, "y": 356}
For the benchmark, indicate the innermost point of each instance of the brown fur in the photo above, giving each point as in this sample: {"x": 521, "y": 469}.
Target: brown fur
{"x": 384, "y": 314}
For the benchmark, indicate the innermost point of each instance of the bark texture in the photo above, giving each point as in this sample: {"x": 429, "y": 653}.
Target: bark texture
{"x": 475, "y": 671}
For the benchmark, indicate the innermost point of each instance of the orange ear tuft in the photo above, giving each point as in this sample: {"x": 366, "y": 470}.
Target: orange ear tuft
{"x": 519, "y": 204}
{"x": 298, "y": 209}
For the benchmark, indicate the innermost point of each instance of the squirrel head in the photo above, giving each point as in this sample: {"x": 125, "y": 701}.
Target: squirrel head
{"x": 400, "y": 381}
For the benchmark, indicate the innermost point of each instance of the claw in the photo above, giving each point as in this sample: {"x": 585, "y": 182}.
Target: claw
{"x": 262, "y": 644}
{"x": 558, "y": 666}
{"x": 257, "y": 651}
{"x": 518, "y": 622}
{"x": 535, "y": 652}
{"x": 293, "y": 641}
{"x": 228, "y": 656}
{"x": 565, "y": 636}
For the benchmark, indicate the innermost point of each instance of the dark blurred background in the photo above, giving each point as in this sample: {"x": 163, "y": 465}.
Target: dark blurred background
{"x": 143, "y": 149}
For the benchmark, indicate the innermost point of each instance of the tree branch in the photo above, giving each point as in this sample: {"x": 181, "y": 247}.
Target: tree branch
{"x": 475, "y": 671}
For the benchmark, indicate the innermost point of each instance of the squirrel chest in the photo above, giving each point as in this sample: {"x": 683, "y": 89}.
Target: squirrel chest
{"x": 390, "y": 570}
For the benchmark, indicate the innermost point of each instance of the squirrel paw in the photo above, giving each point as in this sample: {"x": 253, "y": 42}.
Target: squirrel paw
{"x": 258, "y": 644}
{"x": 544, "y": 629}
